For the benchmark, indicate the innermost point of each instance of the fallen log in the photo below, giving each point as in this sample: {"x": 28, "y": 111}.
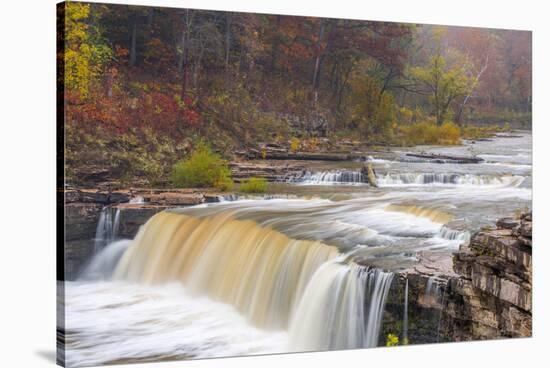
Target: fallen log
{"x": 446, "y": 158}
{"x": 371, "y": 176}
{"x": 308, "y": 156}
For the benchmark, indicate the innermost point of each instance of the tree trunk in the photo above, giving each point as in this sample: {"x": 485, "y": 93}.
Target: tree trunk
{"x": 274, "y": 46}
{"x": 228, "y": 20}
{"x": 133, "y": 43}
{"x": 185, "y": 53}
{"x": 476, "y": 81}
{"x": 317, "y": 67}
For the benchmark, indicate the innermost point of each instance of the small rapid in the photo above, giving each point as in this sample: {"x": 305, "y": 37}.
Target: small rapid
{"x": 351, "y": 177}
{"x": 330, "y": 177}
{"x": 451, "y": 179}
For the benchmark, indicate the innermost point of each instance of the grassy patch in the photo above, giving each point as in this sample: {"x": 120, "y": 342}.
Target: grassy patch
{"x": 254, "y": 185}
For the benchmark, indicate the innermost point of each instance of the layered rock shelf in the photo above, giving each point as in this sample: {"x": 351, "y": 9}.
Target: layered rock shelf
{"x": 267, "y": 170}
{"x": 492, "y": 297}
{"x": 83, "y": 209}
{"x": 483, "y": 292}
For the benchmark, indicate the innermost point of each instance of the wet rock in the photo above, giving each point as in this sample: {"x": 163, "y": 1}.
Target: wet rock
{"x": 526, "y": 229}
{"x": 174, "y": 198}
{"x": 132, "y": 216}
{"x": 80, "y": 227}
{"x": 267, "y": 170}
{"x": 96, "y": 196}
{"x": 507, "y": 223}
{"x": 81, "y": 220}
{"x": 492, "y": 295}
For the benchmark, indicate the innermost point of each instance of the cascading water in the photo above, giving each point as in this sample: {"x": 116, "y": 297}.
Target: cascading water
{"x": 433, "y": 214}
{"x": 406, "y": 313}
{"x": 276, "y": 282}
{"x": 103, "y": 264}
{"x": 107, "y": 227}
{"x": 248, "y": 277}
{"x": 330, "y": 177}
{"x": 434, "y": 294}
{"x": 260, "y": 271}
{"x": 452, "y": 234}
{"x": 341, "y": 308}
{"x": 412, "y": 179}
{"x": 351, "y": 177}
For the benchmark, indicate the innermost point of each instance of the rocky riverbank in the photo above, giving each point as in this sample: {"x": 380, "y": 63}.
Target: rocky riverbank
{"x": 133, "y": 207}
{"x": 492, "y": 297}
{"x": 483, "y": 292}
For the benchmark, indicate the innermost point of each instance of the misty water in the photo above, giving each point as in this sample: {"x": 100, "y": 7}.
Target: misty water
{"x": 307, "y": 269}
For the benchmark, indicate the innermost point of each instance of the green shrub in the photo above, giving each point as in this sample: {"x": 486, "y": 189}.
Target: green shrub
{"x": 430, "y": 133}
{"x": 392, "y": 340}
{"x": 203, "y": 169}
{"x": 254, "y": 185}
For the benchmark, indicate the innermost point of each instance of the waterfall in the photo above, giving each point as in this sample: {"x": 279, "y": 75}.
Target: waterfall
{"x": 392, "y": 179}
{"x": 330, "y": 177}
{"x": 406, "y": 314}
{"x": 274, "y": 281}
{"x": 341, "y": 308}
{"x": 452, "y": 234}
{"x": 107, "y": 227}
{"x": 433, "y": 214}
{"x": 103, "y": 263}
{"x": 434, "y": 294}
{"x": 260, "y": 271}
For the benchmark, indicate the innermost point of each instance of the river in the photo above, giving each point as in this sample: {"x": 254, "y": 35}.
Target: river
{"x": 307, "y": 269}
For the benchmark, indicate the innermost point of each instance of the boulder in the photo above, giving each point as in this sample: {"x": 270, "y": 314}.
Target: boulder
{"x": 507, "y": 223}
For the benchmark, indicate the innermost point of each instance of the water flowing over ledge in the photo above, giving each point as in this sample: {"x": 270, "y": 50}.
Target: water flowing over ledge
{"x": 323, "y": 298}
{"x": 350, "y": 177}
{"x": 261, "y": 272}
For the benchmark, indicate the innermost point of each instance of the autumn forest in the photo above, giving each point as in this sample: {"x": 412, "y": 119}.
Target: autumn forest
{"x": 143, "y": 85}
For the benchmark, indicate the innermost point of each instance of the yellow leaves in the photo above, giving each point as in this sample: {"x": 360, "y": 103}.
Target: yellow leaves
{"x": 449, "y": 133}
{"x": 83, "y": 59}
{"x": 392, "y": 340}
{"x": 294, "y": 144}
{"x": 76, "y": 11}
{"x": 430, "y": 133}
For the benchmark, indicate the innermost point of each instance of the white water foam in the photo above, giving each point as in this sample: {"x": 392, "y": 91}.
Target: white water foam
{"x": 110, "y": 322}
{"x": 436, "y": 179}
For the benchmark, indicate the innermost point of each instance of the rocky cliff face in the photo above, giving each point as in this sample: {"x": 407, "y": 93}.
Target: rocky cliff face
{"x": 484, "y": 293}
{"x": 83, "y": 210}
{"x": 81, "y": 221}
{"x": 491, "y": 297}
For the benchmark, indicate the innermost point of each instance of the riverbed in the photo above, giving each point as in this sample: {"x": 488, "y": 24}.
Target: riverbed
{"x": 277, "y": 273}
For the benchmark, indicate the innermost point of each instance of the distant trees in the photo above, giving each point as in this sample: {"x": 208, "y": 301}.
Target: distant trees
{"x": 443, "y": 83}
{"x": 184, "y": 71}
{"x": 85, "y": 52}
